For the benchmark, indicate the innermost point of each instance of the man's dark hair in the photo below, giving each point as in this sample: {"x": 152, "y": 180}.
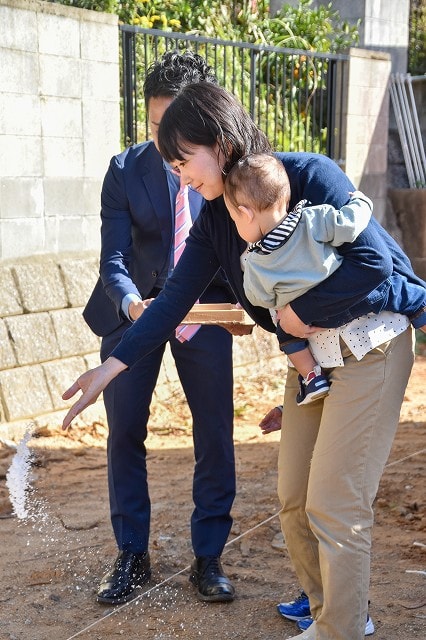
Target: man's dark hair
{"x": 174, "y": 70}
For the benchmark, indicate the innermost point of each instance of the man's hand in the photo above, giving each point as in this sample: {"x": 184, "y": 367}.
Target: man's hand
{"x": 272, "y": 421}
{"x": 136, "y": 309}
{"x": 91, "y": 383}
{"x": 291, "y": 323}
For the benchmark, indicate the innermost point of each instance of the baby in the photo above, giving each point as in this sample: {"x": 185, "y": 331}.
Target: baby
{"x": 288, "y": 252}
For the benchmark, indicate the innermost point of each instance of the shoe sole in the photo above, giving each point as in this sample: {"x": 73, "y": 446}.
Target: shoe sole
{"x": 113, "y": 601}
{"x": 218, "y": 598}
{"x": 369, "y": 627}
{"x": 294, "y": 618}
{"x": 313, "y": 397}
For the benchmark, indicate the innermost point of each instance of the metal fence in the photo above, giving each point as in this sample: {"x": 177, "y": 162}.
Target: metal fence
{"x": 408, "y": 124}
{"x": 296, "y": 97}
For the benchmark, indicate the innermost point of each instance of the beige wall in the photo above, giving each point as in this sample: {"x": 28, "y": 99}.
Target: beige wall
{"x": 59, "y": 124}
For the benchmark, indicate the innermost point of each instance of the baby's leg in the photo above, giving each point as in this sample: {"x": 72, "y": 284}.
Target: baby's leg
{"x": 313, "y": 383}
{"x": 303, "y": 361}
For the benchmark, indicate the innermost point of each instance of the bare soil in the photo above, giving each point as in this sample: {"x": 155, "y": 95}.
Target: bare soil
{"x": 51, "y": 562}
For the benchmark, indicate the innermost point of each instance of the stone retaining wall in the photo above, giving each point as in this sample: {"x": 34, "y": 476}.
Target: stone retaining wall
{"x": 45, "y": 343}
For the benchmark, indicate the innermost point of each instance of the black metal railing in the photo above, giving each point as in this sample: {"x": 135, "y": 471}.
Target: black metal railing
{"x": 296, "y": 97}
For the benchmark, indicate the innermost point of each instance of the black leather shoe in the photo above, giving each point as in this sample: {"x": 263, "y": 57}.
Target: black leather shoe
{"x": 130, "y": 570}
{"x": 212, "y": 584}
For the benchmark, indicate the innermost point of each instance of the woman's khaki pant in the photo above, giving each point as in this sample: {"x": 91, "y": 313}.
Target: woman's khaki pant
{"x": 332, "y": 455}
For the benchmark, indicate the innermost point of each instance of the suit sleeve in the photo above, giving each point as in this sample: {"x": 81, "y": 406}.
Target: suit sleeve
{"x": 116, "y": 236}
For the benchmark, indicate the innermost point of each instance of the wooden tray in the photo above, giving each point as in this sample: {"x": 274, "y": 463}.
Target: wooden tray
{"x": 217, "y": 313}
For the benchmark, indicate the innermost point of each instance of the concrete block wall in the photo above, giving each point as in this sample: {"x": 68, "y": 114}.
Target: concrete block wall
{"x": 45, "y": 343}
{"x": 366, "y": 125}
{"x": 59, "y": 124}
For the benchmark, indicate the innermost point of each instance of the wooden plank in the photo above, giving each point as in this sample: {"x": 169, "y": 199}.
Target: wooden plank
{"x": 217, "y": 313}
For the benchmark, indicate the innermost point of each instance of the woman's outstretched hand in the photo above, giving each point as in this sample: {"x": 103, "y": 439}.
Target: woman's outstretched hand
{"x": 91, "y": 383}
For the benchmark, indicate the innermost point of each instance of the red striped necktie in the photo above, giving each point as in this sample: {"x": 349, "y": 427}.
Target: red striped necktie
{"x": 183, "y": 224}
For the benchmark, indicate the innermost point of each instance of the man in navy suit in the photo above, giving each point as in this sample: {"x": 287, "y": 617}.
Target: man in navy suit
{"x": 138, "y": 197}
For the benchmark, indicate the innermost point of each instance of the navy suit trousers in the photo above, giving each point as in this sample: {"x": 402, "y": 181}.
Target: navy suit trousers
{"x": 204, "y": 365}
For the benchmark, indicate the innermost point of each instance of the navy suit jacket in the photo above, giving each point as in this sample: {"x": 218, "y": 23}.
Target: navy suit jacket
{"x": 137, "y": 234}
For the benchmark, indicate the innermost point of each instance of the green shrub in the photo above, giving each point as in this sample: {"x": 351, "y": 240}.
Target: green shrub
{"x": 301, "y": 27}
{"x": 319, "y": 29}
{"x": 417, "y": 38}
{"x": 107, "y": 6}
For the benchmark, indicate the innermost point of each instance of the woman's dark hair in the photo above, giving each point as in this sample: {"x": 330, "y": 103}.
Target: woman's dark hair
{"x": 206, "y": 114}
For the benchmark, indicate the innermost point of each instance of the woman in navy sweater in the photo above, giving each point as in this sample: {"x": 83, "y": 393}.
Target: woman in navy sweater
{"x": 327, "y": 488}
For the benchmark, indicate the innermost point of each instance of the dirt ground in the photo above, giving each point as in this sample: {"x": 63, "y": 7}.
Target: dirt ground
{"x": 51, "y": 561}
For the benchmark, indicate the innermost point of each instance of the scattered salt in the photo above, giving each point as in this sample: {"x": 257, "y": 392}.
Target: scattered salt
{"x": 18, "y": 476}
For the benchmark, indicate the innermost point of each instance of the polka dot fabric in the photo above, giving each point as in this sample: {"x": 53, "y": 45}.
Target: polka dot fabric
{"x": 361, "y": 336}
